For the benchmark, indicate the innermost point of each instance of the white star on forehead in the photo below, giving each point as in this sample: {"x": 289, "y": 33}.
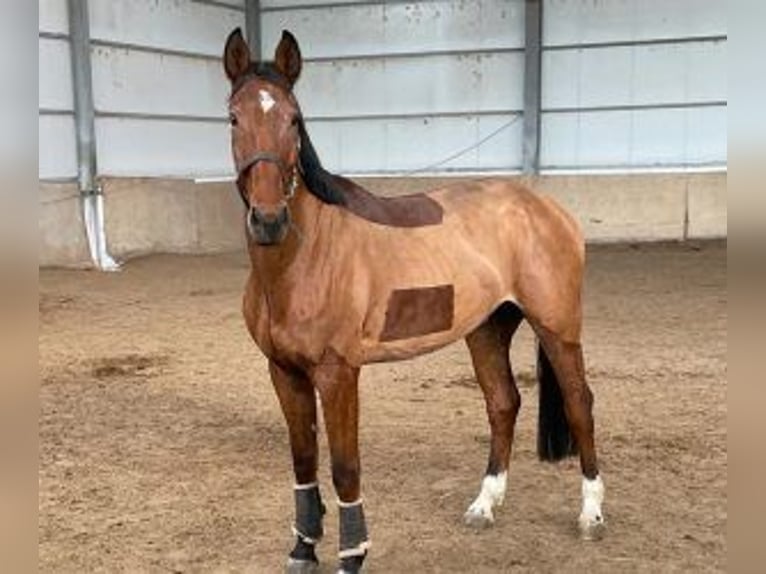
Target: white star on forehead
{"x": 267, "y": 101}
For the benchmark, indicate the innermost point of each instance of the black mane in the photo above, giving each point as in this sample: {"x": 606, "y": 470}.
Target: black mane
{"x": 320, "y": 182}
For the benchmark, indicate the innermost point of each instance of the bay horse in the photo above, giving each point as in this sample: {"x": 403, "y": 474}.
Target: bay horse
{"x": 341, "y": 278}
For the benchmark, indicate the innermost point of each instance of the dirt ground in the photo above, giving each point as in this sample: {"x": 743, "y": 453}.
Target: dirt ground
{"x": 162, "y": 447}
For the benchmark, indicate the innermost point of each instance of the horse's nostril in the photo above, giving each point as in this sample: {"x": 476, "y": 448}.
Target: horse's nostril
{"x": 255, "y": 217}
{"x": 283, "y": 216}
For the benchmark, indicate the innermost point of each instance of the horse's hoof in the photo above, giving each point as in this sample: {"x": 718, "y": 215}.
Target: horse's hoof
{"x": 295, "y": 566}
{"x": 351, "y": 564}
{"x": 592, "y": 528}
{"x": 478, "y": 518}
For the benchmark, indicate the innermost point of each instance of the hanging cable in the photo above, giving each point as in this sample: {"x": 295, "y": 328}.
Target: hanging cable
{"x": 462, "y": 152}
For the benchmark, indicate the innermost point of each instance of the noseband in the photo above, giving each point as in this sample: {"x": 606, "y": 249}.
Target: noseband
{"x": 290, "y": 183}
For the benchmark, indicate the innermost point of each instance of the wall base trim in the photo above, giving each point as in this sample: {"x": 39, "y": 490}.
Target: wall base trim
{"x": 163, "y": 215}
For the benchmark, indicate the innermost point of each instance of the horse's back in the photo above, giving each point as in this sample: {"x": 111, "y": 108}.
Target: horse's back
{"x": 527, "y": 214}
{"x": 498, "y": 242}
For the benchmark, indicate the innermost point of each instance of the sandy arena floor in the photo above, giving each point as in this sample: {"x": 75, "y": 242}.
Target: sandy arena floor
{"x": 162, "y": 447}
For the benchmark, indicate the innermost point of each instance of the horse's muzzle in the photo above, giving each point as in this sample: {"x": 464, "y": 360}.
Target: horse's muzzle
{"x": 268, "y": 228}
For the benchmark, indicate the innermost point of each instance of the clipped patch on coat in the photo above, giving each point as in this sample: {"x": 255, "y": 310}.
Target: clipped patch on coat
{"x": 418, "y": 311}
{"x": 416, "y": 210}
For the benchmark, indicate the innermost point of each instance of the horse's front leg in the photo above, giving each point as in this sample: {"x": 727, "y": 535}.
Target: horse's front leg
{"x": 337, "y": 384}
{"x": 298, "y": 401}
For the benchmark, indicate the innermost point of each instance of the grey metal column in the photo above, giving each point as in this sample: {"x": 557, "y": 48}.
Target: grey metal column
{"x": 85, "y": 132}
{"x": 532, "y": 85}
{"x": 79, "y": 45}
{"x": 253, "y": 27}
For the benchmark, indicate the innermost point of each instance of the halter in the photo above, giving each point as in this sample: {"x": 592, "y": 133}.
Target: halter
{"x": 290, "y": 183}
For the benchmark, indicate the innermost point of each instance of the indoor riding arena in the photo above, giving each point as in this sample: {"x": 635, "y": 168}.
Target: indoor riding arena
{"x": 163, "y": 446}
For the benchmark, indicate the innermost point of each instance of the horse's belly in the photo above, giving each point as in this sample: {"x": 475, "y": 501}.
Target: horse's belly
{"x": 407, "y": 349}
{"x": 435, "y": 296}
{"x": 412, "y": 339}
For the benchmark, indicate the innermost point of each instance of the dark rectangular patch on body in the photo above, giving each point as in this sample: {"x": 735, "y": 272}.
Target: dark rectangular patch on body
{"x": 419, "y": 311}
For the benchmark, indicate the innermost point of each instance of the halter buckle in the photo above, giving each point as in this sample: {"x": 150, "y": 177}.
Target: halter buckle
{"x": 293, "y": 185}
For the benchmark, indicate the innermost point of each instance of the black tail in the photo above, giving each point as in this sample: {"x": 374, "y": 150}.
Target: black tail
{"x": 554, "y": 441}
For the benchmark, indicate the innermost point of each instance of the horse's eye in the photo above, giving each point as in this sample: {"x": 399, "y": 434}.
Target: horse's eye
{"x": 295, "y": 120}
{"x": 232, "y": 120}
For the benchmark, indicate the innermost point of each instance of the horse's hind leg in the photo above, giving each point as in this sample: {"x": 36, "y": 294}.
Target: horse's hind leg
{"x": 489, "y": 345}
{"x": 566, "y": 358}
{"x": 298, "y": 401}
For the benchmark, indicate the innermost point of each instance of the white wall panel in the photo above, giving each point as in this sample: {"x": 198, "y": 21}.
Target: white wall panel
{"x": 383, "y": 71}
{"x": 360, "y": 145}
{"x": 599, "y": 139}
{"x": 446, "y": 89}
{"x": 414, "y": 144}
{"x": 587, "y": 21}
{"x": 143, "y": 82}
{"x": 706, "y": 73}
{"x": 707, "y": 140}
{"x": 438, "y": 84}
{"x": 587, "y": 78}
{"x": 500, "y": 82}
{"x": 396, "y": 145}
{"x": 233, "y": 3}
{"x": 399, "y": 27}
{"x": 155, "y": 83}
{"x": 659, "y": 137}
{"x": 648, "y": 74}
{"x": 52, "y": 16}
{"x": 57, "y": 151}
{"x": 680, "y": 73}
{"x": 326, "y": 139}
{"x": 559, "y": 140}
{"x": 456, "y": 25}
{"x": 503, "y": 150}
{"x": 656, "y": 79}
{"x": 54, "y": 74}
{"x": 342, "y": 88}
{"x": 131, "y": 147}
{"x": 267, "y": 4}
{"x": 354, "y": 30}
{"x": 634, "y": 138}
{"x": 167, "y": 24}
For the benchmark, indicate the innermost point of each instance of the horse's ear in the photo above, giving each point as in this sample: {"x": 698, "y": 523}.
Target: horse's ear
{"x": 288, "y": 57}
{"x": 236, "y": 56}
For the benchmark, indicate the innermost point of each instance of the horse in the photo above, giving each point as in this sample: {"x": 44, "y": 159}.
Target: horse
{"x": 341, "y": 278}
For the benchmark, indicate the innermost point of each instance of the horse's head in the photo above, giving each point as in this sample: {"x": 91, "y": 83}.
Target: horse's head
{"x": 265, "y": 139}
